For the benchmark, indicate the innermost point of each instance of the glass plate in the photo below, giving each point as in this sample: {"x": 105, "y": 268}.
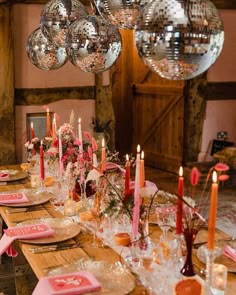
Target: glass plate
{"x": 115, "y": 279}
{"x": 35, "y": 197}
{"x": 222, "y": 259}
{"x": 65, "y": 229}
{"x": 14, "y": 175}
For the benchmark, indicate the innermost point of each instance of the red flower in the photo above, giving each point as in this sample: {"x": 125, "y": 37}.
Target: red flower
{"x": 221, "y": 167}
{"x": 194, "y": 176}
{"x": 94, "y": 144}
{"x": 87, "y": 135}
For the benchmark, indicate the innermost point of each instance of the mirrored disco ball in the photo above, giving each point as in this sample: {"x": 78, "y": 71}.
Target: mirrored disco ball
{"x": 43, "y": 54}
{"x": 57, "y": 16}
{"x": 121, "y": 13}
{"x": 93, "y": 44}
{"x": 179, "y": 39}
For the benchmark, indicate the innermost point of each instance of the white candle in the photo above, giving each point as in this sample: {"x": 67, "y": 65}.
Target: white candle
{"x": 60, "y": 153}
{"x": 80, "y": 135}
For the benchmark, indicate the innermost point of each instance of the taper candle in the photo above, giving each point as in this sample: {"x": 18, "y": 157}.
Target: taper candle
{"x": 142, "y": 171}
{"x": 103, "y": 158}
{"x": 32, "y": 130}
{"x": 54, "y": 128}
{"x": 136, "y": 195}
{"x": 41, "y": 153}
{"x": 179, "y": 212}
{"x": 127, "y": 176}
{"x": 48, "y": 129}
{"x": 212, "y": 213}
{"x": 80, "y": 135}
{"x": 60, "y": 153}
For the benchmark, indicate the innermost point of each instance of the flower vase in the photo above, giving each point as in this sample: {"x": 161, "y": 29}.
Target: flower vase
{"x": 189, "y": 236}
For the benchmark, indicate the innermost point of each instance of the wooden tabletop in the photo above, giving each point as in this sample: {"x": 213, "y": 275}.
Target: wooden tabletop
{"x": 43, "y": 262}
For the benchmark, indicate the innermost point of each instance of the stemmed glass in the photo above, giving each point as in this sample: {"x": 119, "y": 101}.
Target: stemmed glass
{"x": 165, "y": 217}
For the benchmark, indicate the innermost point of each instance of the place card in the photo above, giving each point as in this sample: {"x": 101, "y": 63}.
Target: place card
{"x": 4, "y": 176}
{"x": 13, "y": 198}
{"x": 71, "y": 283}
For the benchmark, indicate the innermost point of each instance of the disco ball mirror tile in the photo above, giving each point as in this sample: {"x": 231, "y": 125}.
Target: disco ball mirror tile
{"x": 179, "y": 39}
{"x": 93, "y": 44}
{"x": 43, "y": 54}
{"x": 121, "y": 13}
{"x": 57, "y": 16}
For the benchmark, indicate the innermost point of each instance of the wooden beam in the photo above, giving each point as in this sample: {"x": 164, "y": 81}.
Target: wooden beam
{"x": 47, "y": 95}
{"x": 221, "y": 91}
{"x": 158, "y": 89}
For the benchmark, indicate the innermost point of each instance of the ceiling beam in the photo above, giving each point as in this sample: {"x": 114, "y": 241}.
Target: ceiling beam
{"x": 220, "y": 4}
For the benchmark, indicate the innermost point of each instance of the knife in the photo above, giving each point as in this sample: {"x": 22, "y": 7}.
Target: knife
{"x": 23, "y": 209}
{"x": 54, "y": 247}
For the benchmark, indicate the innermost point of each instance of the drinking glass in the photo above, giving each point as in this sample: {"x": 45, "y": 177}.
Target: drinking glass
{"x": 165, "y": 217}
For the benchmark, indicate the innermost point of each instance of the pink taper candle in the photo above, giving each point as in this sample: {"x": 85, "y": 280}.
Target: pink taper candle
{"x": 179, "y": 212}
{"x": 41, "y": 153}
{"x": 142, "y": 171}
{"x": 103, "y": 168}
{"x": 32, "y": 130}
{"x": 136, "y": 195}
{"x": 48, "y": 129}
{"x": 80, "y": 135}
{"x": 212, "y": 214}
{"x": 127, "y": 176}
{"x": 60, "y": 153}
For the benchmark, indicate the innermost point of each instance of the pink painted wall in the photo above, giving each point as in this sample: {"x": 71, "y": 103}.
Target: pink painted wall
{"x": 219, "y": 114}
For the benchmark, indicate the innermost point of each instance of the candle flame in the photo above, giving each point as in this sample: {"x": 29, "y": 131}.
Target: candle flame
{"x": 41, "y": 142}
{"x": 181, "y": 171}
{"x": 79, "y": 120}
{"x": 103, "y": 142}
{"x": 32, "y": 125}
{"x": 214, "y": 177}
{"x": 138, "y": 148}
{"x": 48, "y": 110}
{"x": 127, "y": 157}
{"x": 142, "y": 155}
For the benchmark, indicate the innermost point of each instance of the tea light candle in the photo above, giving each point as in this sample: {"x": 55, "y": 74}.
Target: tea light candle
{"x": 136, "y": 195}
{"x": 41, "y": 153}
{"x": 179, "y": 212}
{"x": 142, "y": 171}
{"x": 212, "y": 213}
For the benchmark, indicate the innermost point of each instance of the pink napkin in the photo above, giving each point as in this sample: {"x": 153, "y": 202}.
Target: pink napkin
{"x": 114, "y": 166}
{"x": 34, "y": 231}
{"x": 4, "y": 176}
{"x": 67, "y": 284}
{"x": 13, "y": 198}
{"x": 230, "y": 252}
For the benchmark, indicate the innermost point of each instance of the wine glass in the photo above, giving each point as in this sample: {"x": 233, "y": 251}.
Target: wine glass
{"x": 165, "y": 217}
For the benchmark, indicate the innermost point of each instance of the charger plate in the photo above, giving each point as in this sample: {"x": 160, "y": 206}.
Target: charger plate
{"x": 221, "y": 258}
{"x": 14, "y": 175}
{"x": 65, "y": 229}
{"x": 35, "y": 197}
{"x": 115, "y": 279}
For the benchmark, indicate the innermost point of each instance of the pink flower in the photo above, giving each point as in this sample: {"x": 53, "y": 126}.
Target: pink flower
{"x": 90, "y": 152}
{"x": 194, "y": 176}
{"x": 77, "y": 142}
{"x": 221, "y": 167}
{"x": 223, "y": 177}
{"x": 87, "y": 135}
{"x": 94, "y": 144}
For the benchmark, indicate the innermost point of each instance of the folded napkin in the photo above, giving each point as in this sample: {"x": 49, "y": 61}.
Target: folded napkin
{"x": 13, "y": 198}
{"x": 67, "y": 284}
{"x": 230, "y": 252}
{"x": 28, "y": 232}
{"x": 4, "y": 176}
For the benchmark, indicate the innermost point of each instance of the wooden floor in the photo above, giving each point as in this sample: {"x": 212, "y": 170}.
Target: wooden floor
{"x": 164, "y": 180}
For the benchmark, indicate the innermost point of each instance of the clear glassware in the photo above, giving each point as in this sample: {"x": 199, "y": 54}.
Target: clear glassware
{"x": 165, "y": 217}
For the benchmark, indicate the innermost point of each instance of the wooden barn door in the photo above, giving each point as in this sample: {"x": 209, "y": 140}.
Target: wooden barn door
{"x": 155, "y": 108}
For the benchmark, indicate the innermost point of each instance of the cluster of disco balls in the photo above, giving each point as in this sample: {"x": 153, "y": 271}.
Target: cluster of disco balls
{"x": 177, "y": 39}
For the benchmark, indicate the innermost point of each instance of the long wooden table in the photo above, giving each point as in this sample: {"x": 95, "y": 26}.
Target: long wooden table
{"x": 43, "y": 262}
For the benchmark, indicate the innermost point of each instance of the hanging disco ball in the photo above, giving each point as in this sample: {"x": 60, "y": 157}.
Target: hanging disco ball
{"x": 179, "y": 39}
{"x": 43, "y": 54}
{"x": 93, "y": 44}
{"x": 57, "y": 16}
{"x": 121, "y": 13}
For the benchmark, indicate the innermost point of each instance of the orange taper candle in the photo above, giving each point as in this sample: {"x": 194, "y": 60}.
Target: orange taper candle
{"x": 212, "y": 213}
{"x": 142, "y": 171}
{"x": 48, "y": 129}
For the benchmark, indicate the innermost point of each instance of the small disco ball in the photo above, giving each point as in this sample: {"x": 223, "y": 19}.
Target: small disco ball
{"x": 121, "y": 13}
{"x": 93, "y": 44}
{"x": 57, "y": 16}
{"x": 43, "y": 54}
{"x": 179, "y": 39}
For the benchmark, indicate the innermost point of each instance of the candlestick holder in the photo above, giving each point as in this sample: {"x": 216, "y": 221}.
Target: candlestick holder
{"x": 210, "y": 258}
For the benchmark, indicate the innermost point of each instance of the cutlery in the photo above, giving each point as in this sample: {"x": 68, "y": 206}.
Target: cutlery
{"x": 197, "y": 245}
{"x": 54, "y": 247}
{"x": 23, "y": 209}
